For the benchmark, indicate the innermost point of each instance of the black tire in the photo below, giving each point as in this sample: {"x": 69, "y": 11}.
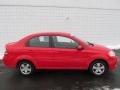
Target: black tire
{"x": 98, "y": 71}
{"x": 28, "y": 68}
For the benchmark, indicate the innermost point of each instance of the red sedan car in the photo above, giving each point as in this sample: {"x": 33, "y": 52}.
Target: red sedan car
{"x": 55, "y": 50}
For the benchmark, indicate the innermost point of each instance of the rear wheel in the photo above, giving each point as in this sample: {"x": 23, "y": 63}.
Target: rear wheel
{"x": 98, "y": 68}
{"x": 25, "y": 68}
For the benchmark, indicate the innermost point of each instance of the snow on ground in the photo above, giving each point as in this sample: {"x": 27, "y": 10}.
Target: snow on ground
{"x": 1, "y": 57}
{"x": 116, "y": 89}
{"x": 116, "y": 47}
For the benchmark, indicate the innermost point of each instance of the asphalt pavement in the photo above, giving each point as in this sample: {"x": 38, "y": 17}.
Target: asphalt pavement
{"x": 10, "y": 79}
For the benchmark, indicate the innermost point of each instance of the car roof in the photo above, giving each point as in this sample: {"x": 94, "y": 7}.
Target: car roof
{"x": 52, "y": 33}
{"x": 45, "y": 34}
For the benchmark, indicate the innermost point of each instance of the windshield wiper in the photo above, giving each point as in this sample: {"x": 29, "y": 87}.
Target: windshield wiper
{"x": 91, "y": 44}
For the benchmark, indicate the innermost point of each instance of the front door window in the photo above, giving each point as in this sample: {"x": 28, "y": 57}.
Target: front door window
{"x": 64, "y": 42}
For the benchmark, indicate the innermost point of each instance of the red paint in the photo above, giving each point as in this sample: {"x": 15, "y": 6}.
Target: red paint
{"x": 57, "y": 58}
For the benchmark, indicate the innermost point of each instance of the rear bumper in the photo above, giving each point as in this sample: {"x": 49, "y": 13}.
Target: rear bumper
{"x": 8, "y": 61}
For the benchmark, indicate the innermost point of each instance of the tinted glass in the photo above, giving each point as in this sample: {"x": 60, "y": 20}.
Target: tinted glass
{"x": 42, "y": 41}
{"x": 64, "y": 42}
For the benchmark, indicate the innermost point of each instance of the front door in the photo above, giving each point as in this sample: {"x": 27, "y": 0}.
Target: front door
{"x": 65, "y": 53}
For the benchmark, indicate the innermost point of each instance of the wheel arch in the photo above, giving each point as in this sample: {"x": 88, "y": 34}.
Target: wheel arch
{"x": 25, "y": 58}
{"x": 23, "y": 61}
{"x": 99, "y": 59}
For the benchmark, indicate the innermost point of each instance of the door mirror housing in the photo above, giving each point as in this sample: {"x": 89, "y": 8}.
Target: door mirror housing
{"x": 79, "y": 47}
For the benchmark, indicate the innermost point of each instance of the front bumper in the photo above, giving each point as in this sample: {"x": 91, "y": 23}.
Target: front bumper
{"x": 113, "y": 63}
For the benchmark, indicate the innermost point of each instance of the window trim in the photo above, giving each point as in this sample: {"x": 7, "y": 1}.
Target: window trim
{"x": 53, "y": 44}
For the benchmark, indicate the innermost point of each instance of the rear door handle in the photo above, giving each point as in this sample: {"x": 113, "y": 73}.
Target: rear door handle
{"x": 30, "y": 50}
{"x": 57, "y": 52}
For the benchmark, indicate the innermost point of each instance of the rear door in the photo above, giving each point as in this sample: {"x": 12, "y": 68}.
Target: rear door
{"x": 39, "y": 48}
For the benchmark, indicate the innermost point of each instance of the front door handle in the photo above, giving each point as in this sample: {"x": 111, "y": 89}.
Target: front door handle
{"x": 30, "y": 50}
{"x": 57, "y": 52}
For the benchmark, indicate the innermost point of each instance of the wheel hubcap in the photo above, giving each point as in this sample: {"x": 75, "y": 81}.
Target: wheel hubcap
{"x": 98, "y": 68}
{"x": 25, "y": 68}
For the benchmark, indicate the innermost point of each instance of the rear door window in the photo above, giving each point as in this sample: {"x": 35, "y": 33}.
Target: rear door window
{"x": 40, "y": 41}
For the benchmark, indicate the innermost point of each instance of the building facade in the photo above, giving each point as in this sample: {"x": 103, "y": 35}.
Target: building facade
{"x": 93, "y": 21}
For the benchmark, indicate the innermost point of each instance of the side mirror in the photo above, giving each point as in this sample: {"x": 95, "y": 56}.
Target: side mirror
{"x": 79, "y": 47}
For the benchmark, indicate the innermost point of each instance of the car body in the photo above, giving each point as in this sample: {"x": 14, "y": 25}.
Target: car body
{"x": 57, "y": 50}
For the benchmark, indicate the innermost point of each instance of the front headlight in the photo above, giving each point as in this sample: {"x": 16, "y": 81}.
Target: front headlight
{"x": 111, "y": 53}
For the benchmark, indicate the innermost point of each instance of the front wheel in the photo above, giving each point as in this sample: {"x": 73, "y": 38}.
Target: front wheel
{"x": 25, "y": 68}
{"x": 98, "y": 68}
